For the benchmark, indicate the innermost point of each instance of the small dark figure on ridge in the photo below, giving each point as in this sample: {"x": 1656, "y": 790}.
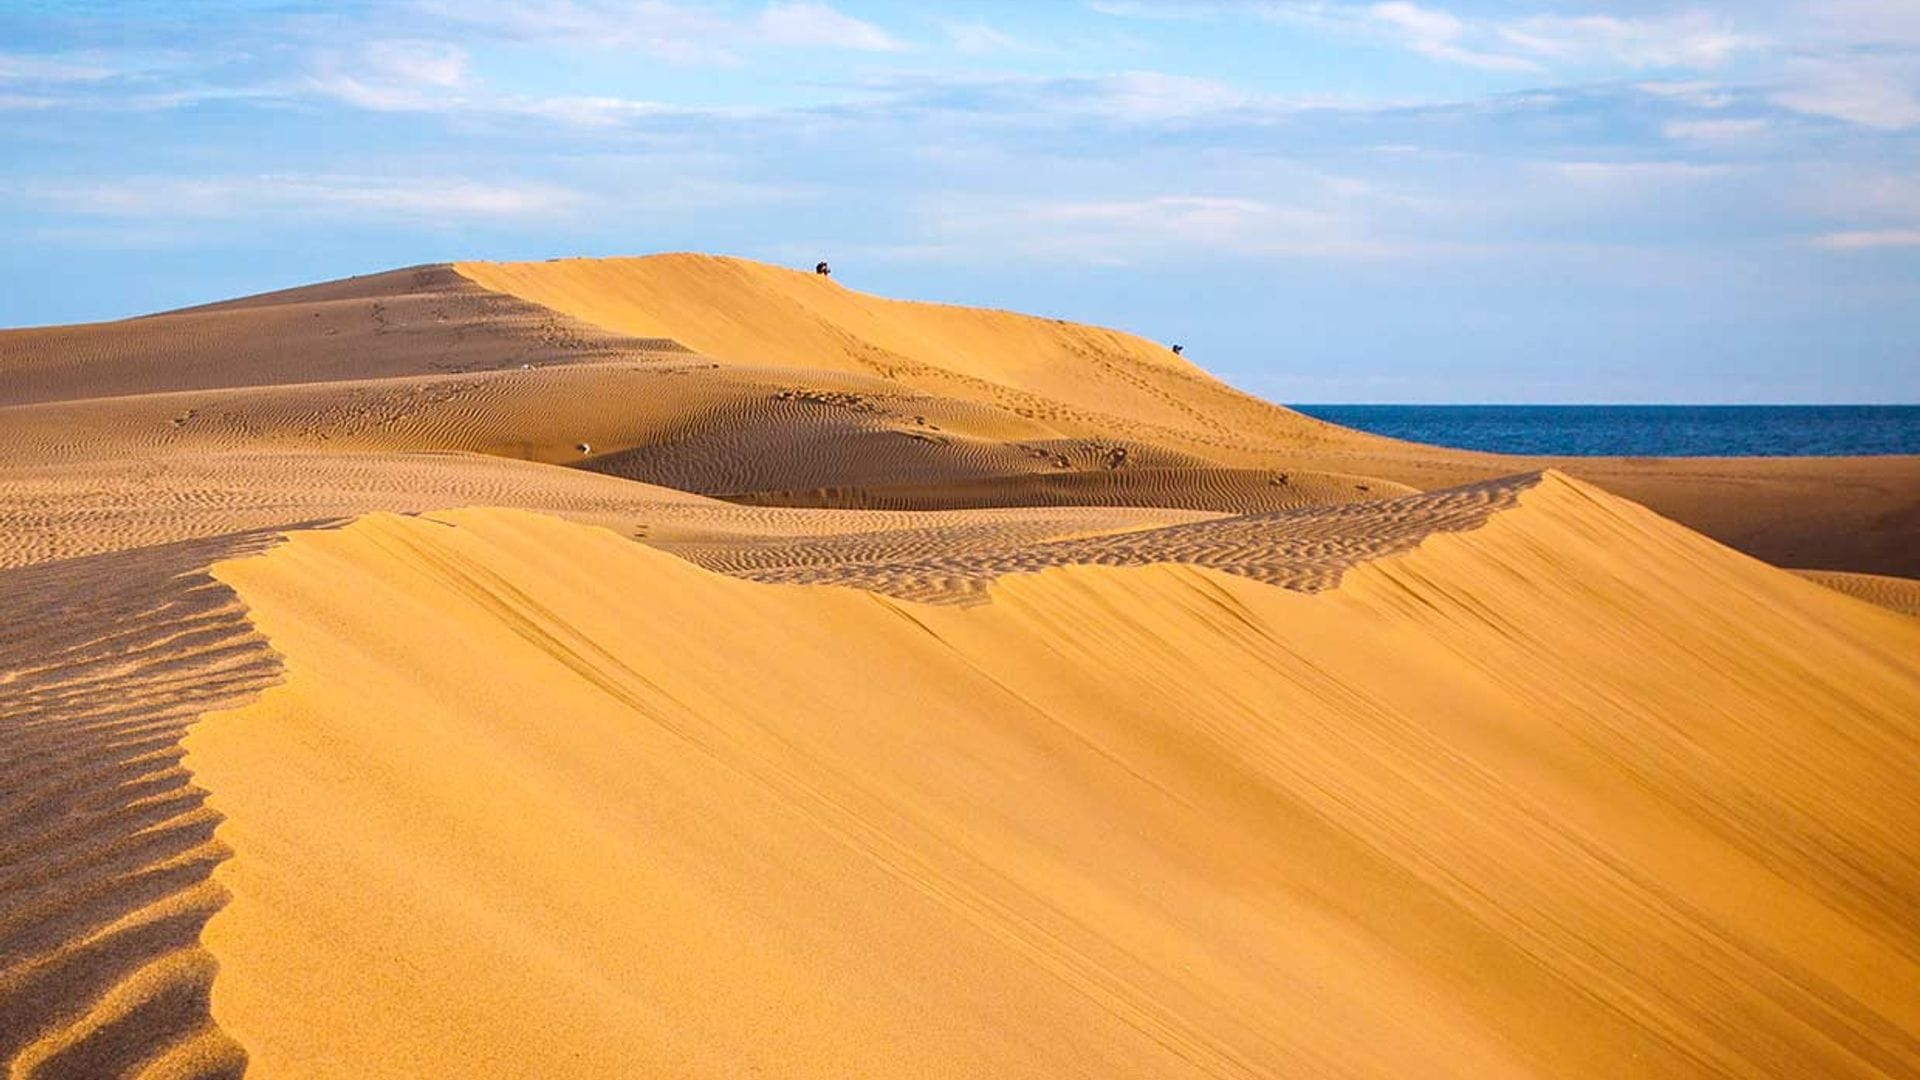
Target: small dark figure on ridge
{"x": 1177, "y": 349}
{"x": 823, "y": 269}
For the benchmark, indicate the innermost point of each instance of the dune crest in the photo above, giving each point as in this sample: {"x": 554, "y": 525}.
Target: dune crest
{"x": 1189, "y": 819}
{"x": 774, "y": 389}
{"x": 1551, "y": 796}
{"x": 802, "y": 320}
{"x": 106, "y": 842}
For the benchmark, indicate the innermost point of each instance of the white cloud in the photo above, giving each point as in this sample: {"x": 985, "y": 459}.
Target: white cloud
{"x": 1864, "y": 208}
{"x": 1843, "y": 189}
{"x": 1634, "y": 173}
{"x": 674, "y": 32}
{"x": 1875, "y": 92}
{"x": 1883, "y": 22}
{"x": 1147, "y": 96}
{"x": 1439, "y": 35}
{"x": 393, "y": 75}
{"x": 1716, "y": 131}
{"x": 418, "y": 63}
{"x": 1700, "y": 95}
{"x": 427, "y": 199}
{"x": 1125, "y": 97}
{"x": 1328, "y": 217}
{"x": 29, "y": 67}
{"x": 1588, "y": 189}
{"x": 1532, "y": 44}
{"x": 1128, "y": 97}
{"x": 1691, "y": 40}
{"x": 810, "y": 25}
{"x": 1868, "y": 239}
{"x": 607, "y": 112}
{"x": 677, "y": 32}
{"x": 979, "y": 39}
{"x": 1159, "y": 9}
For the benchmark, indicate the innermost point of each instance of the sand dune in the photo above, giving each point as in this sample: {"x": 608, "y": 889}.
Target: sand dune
{"x": 1860, "y": 514}
{"x": 761, "y": 385}
{"x": 1892, "y": 593}
{"x": 108, "y": 844}
{"x": 1455, "y": 818}
{"x": 406, "y": 322}
{"x": 983, "y": 695}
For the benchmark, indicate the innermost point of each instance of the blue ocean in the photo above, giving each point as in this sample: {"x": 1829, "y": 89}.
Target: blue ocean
{"x": 1644, "y": 430}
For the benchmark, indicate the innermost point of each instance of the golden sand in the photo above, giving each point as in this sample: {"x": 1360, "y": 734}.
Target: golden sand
{"x": 535, "y": 799}
{"x": 983, "y": 696}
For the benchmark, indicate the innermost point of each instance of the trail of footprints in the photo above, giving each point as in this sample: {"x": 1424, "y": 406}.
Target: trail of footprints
{"x": 1307, "y": 549}
{"x": 107, "y": 847}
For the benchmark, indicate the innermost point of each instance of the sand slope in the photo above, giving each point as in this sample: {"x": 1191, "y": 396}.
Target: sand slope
{"x": 106, "y": 844}
{"x": 1103, "y": 390}
{"x": 1554, "y": 796}
{"x": 1080, "y": 379}
{"x": 1534, "y": 782}
{"x": 765, "y": 386}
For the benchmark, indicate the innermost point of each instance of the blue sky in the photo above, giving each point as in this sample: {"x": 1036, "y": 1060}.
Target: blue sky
{"x": 1477, "y": 200}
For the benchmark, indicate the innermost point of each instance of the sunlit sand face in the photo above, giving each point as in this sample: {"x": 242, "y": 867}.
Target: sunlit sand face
{"x": 683, "y": 666}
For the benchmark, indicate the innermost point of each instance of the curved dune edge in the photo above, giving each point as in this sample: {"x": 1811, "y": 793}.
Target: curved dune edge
{"x": 995, "y": 377}
{"x": 804, "y": 320}
{"x": 1075, "y": 378}
{"x": 107, "y": 846}
{"x": 388, "y": 365}
{"x": 1575, "y": 793}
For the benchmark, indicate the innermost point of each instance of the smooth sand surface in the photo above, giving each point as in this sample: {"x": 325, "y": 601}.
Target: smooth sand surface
{"x": 843, "y": 686}
{"x": 1557, "y": 796}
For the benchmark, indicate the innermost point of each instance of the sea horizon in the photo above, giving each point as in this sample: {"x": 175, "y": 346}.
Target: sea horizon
{"x": 1641, "y": 430}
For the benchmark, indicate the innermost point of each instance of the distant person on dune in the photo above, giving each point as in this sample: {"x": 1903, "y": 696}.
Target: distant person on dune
{"x": 1177, "y": 349}
{"x": 823, "y": 269}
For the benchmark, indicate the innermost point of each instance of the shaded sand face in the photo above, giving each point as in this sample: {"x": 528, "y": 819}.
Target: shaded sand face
{"x": 1556, "y": 796}
{"x": 847, "y": 686}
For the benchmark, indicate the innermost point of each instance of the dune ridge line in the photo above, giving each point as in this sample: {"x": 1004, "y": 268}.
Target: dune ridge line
{"x": 1469, "y": 813}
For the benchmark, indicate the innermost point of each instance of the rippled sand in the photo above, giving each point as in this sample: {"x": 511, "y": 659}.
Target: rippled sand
{"x": 682, "y": 666}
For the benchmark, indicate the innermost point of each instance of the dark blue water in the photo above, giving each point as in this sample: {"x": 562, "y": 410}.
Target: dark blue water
{"x": 1644, "y": 430}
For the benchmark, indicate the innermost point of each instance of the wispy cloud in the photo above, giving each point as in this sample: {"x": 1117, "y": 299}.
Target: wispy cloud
{"x": 393, "y": 75}
{"x": 1880, "y": 92}
{"x": 1513, "y": 149}
{"x": 1442, "y": 36}
{"x": 426, "y": 199}
{"x": 1883, "y": 22}
{"x": 614, "y": 112}
{"x": 1133, "y": 98}
{"x": 28, "y": 67}
{"x": 1328, "y": 218}
{"x": 1535, "y": 44}
{"x": 811, "y": 25}
{"x": 1696, "y": 93}
{"x": 1717, "y": 131}
{"x": 1868, "y": 239}
{"x": 980, "y": 39}
{"x": 1865, "y": 209}
{"x": 1688, "y": 40}
{"x": 1634, "y": 175}
{"x": 1160, "y": 9}
{"x": 677, "y": 32}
